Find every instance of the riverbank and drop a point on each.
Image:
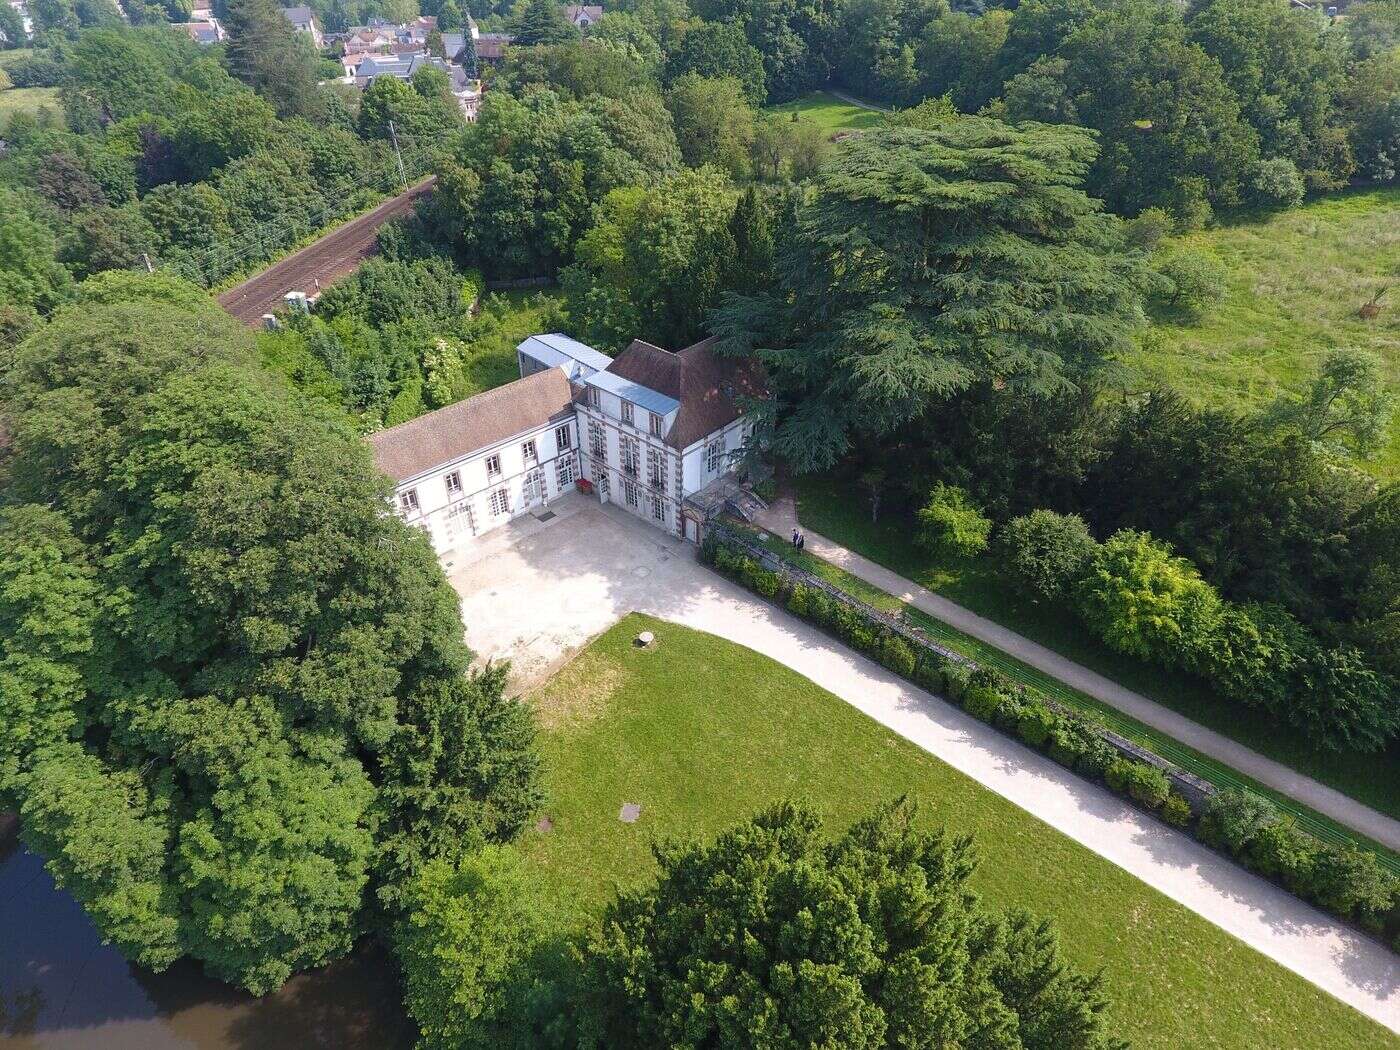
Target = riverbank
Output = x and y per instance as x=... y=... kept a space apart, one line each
x=61 y=988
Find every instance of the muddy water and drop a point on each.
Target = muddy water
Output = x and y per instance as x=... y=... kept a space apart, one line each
x=60 y=987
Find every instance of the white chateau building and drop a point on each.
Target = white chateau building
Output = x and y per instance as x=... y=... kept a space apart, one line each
x=648 y=430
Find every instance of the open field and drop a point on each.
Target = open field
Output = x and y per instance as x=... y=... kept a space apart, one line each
x=826 y=506
x=27 y=100
x=1296 y=281
x=702 y=732
x=829 y=112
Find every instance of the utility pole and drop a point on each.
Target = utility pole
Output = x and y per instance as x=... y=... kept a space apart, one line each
x=393 y=134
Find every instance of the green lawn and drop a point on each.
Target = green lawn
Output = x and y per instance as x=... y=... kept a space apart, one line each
x=702 y=732
x=830 y=112
x=493 y=362
x=1296 y=282
x=827 y=506
x=27 y=100
x=1188 y=758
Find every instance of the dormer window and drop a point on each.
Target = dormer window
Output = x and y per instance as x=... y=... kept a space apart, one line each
x=654 y=424
x=627 y=416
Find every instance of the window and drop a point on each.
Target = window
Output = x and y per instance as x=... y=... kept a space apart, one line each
x=656 y=468
x=527 y=449
x=714 y=455
x=533 y=489
x=500 y=502
x=408 y=501
x=627 y=413
x=461 y=520
x=493 y=465
x=593 y=396
x=454 y=483
x=630 y=493
x=597 y=441
x=658 y=509
x=654 y=424
x=565 y=471
x=563 y=437
x=631 y=456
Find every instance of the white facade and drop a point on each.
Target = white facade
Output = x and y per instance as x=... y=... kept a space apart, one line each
x=463 y=498
x=614 y=435
x=630 y=465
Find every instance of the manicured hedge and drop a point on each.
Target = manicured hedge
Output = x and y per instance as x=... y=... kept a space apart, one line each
x=1347 y=881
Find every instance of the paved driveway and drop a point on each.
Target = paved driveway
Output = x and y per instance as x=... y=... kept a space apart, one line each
x=535 y=592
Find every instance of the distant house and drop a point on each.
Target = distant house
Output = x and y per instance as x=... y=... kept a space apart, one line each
x=491 y=47
x=205 y=33
x=303 y=20
x=583 y=15
x=364 y=69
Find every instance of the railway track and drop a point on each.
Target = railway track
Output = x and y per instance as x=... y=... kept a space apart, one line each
x=338 y=254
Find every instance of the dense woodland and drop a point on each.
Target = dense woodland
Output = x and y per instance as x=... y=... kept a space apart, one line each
x=239 y=720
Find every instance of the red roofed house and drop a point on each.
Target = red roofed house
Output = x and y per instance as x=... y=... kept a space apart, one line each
x=650 y=430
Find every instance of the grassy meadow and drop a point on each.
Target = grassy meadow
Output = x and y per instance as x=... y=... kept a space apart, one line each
x=1297 y=280
x=829 y=112
x=703 y=732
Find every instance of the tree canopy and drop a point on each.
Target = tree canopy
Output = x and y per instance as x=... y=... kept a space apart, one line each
x=929 y=260
x=257 y=718
x=773 y=935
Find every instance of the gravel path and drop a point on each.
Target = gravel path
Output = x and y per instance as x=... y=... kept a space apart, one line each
x=536 y=592
x=781 y=518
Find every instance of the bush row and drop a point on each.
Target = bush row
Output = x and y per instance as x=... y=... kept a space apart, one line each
x=1346 y=881
x=1140 y=598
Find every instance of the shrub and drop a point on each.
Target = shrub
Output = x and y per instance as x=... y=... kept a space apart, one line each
x=1350 y=882
x=1189 y=280
x=981 y=702
x=951 y=524
x=1067 y=745
x=473 y=287
x=1036 y=722
x=1148 y=785
x=407 y=404
x=764 y=581
x=1097 y=758
x=957 y=680
x=930 y=670
x=1143 y=600
x=1048 y=552
x=1280 y=851
x=1007 y=716
x=1147 y=229
x=1233 y=818
x=1176 y=811
x=1276 y=183
x=797 y=602
x=36 y=70
x=897 y=655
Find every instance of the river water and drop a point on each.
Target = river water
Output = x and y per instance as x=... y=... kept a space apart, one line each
x=60 y=987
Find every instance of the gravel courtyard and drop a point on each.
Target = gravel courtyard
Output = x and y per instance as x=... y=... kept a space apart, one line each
x=536 y=592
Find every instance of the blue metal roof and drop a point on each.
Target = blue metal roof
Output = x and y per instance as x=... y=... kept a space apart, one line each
x=634 y=392
x=556 y=350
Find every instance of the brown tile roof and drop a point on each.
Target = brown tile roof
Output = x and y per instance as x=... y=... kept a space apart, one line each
x=704 y=383
x=409 y=449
